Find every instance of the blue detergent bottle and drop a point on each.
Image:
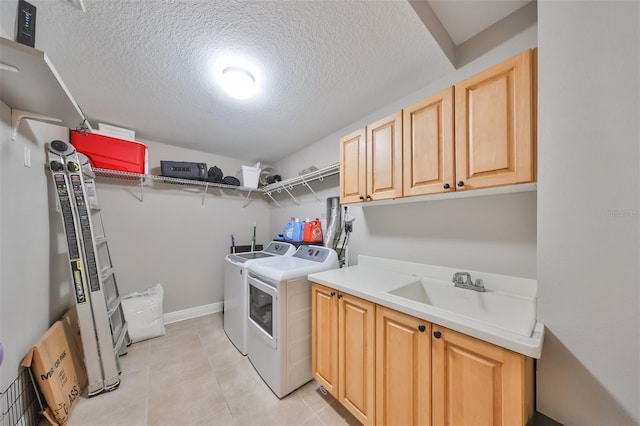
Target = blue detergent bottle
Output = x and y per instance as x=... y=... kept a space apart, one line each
x=288 y=231
x=298 y=228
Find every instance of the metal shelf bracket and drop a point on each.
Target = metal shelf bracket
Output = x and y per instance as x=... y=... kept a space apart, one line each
x=18 y=115
x=204 y=192
x=273 y=199
x=289 y=192
x=304 y=183
x=142 y=188
x=247 y=199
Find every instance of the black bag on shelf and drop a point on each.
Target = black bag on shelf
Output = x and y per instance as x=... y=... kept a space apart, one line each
x=215 y=175
x=231 y=180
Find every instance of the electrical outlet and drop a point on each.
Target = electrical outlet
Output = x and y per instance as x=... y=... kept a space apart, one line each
x=27 y=156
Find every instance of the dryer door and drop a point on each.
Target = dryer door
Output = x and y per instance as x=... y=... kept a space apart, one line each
x=263 y=310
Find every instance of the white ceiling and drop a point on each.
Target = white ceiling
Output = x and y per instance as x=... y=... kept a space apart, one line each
x=464 y=19
x=149 y=65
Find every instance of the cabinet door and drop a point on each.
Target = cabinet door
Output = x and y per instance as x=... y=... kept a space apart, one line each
x=324 y=337
x=494 y=138
x=427 y=141
x=384 y=158
x=353 y=157
x=403 y=360
x=477 y=383
x=356 y=368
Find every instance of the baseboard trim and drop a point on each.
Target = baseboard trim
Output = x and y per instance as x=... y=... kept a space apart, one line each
x=194 y=312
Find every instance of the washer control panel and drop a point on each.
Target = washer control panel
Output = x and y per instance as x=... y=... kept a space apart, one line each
x=314 y=253
x=278 y=248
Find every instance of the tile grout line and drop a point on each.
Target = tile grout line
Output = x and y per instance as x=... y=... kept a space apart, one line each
x=213 y=368
x=148 y=385
x=226 y=401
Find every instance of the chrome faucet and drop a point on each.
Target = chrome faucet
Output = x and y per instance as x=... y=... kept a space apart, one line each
x=463 y=280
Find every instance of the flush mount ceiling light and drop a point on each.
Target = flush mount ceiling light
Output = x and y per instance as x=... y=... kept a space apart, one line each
x=239 y=82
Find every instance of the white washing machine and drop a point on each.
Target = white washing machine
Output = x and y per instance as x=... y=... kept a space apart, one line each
x=279 y=329
x=235 y=289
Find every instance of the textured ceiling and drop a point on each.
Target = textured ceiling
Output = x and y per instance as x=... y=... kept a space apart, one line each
x=148 y=65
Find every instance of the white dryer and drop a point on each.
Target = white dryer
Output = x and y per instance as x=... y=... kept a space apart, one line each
x=235 y=289
x=279 y=329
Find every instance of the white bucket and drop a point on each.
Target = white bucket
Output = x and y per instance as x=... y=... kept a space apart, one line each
x=250 y=176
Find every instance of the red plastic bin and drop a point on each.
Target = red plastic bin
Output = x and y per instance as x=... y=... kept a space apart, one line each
x=109 y=153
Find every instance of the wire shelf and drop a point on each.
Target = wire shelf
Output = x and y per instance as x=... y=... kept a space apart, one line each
x=305 y=179
x=319 y=174
x=165 y=179
x=277 y=187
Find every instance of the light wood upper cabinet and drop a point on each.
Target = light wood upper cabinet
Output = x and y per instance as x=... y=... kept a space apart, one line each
x=353 y=167
x=384 y=158
x=371 y=162
x=494 y=121
x=428 y=145
x=343 y=349
x=479 y=133
x=403 y=369
x=477 y=383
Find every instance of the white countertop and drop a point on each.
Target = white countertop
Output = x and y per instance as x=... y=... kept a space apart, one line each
x=505 y=314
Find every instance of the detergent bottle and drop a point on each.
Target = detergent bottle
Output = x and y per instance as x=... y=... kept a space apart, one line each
x=316 y=231
x=297 y=230
x=312 y=231
x=306 y=231
x=288 y=231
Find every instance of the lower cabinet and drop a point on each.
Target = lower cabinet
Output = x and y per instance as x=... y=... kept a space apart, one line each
x=389 y=368
x=477 y=383
x=343 y=349
x=403 y=365
x=324 y=338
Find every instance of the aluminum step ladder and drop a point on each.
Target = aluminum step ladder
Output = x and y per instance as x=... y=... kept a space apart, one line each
x=103 y=327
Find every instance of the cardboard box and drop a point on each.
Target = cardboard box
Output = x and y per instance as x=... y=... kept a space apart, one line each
x=72 y=331
x=56 y=367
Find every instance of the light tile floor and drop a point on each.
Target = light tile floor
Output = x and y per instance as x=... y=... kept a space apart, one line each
x=193 y=375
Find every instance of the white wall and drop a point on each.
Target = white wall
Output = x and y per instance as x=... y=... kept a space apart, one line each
x=34 y=276
x=8 y=22
x=170 y=237
x=589 y=211
x=495 y=234
x=310 y=206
